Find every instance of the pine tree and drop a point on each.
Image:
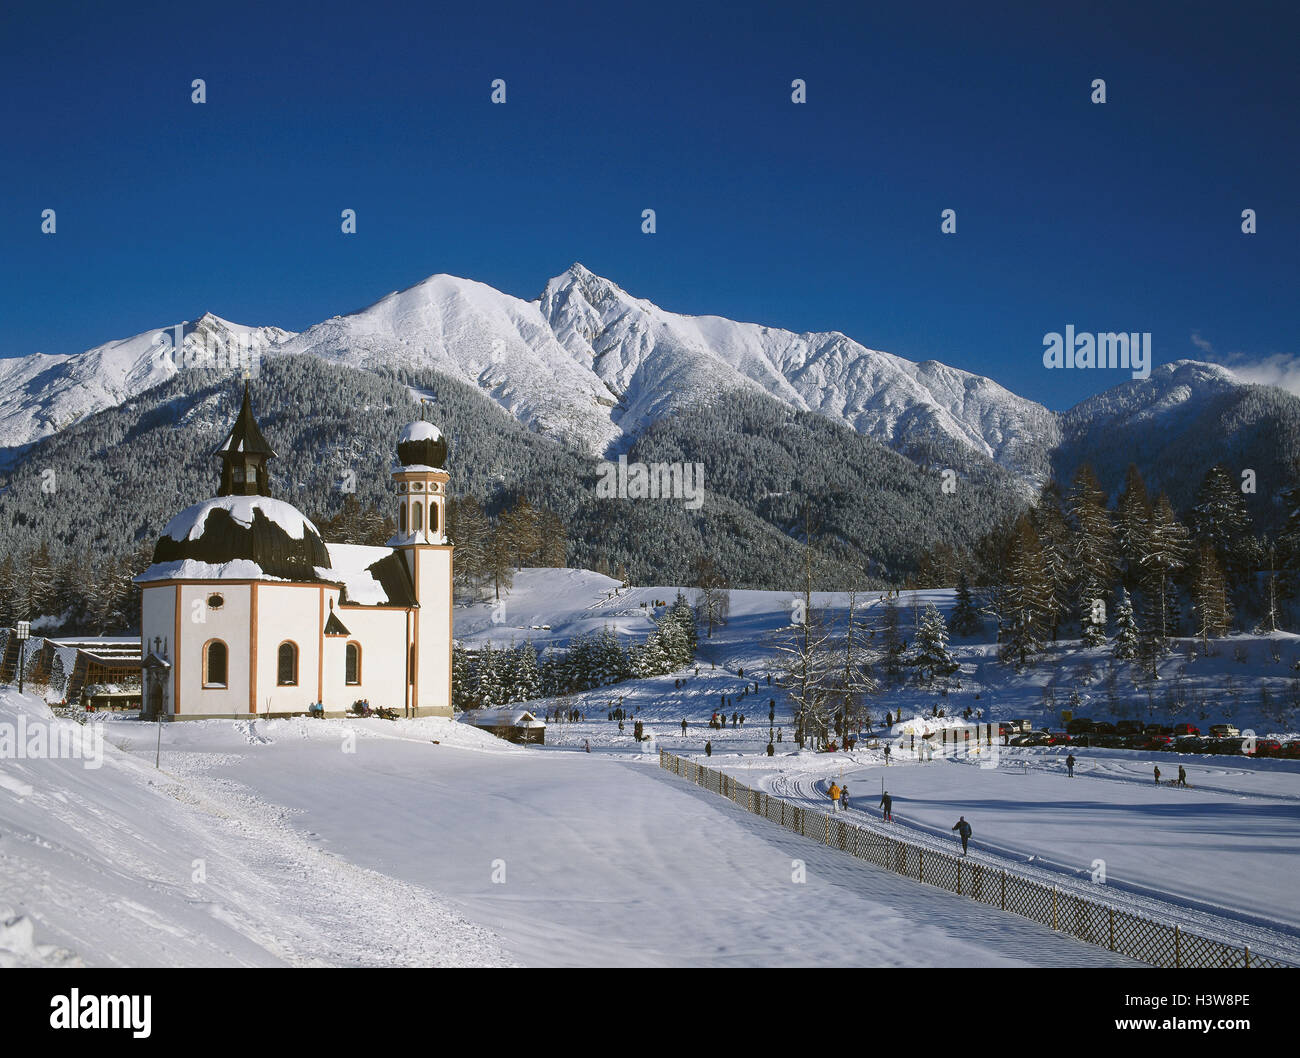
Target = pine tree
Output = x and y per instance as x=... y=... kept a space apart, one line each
x=499 y=570
x=1133 y=515
x=933 y=658
x=1093 y=550
x=523 y=537
x=1026 y=613
x=1058 y=550
x=1166 y=556
x=1210 y=596
x=893 y=645
x=1127 y=640
x=471 y=532
x=965 y=619
x=1220 y=519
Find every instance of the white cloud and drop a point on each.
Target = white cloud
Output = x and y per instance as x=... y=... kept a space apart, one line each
x=1279 y=369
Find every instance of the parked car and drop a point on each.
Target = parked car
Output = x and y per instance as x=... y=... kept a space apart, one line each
x=1133 y=741
x=1103 y=728
x=1158 y=729
x=1159 y=742
x=1186 y=729
x=1267 y=747
x=1227 y=746
x=1080 y=726
x=1223 y=731
x=1188 y=743
x=1129 y=727
x=1058 y=738
x=1291 y=750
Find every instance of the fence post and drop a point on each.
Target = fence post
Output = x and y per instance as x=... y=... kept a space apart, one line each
x=959 y=876
x=1247 y=956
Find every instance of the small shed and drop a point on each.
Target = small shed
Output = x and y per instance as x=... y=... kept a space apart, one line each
x=514 y=725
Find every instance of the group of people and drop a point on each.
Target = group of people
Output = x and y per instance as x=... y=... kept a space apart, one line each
x=719 y=720
x=1182 y=776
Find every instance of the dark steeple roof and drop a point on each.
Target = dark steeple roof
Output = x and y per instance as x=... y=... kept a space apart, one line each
x=244 y=455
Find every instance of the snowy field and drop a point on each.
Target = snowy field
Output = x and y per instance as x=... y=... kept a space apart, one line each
x=426 y=842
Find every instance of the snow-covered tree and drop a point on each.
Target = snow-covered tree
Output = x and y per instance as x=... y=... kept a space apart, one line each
x=933 y=658
x=1127 y=642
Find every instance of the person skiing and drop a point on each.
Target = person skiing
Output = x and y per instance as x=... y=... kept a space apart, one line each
x=1069 y=765
x=844 y=797
x=963 y=828
x=835 y=796
x=1182 y=776
x=887 y=803
x=1157 y=774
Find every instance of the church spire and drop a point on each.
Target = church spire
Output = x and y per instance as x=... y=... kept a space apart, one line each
x=244 y=456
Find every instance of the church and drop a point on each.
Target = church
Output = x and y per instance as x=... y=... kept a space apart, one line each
x=246 y=611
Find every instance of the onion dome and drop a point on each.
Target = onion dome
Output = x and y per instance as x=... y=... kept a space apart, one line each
x=246 y=537
x=421 y=444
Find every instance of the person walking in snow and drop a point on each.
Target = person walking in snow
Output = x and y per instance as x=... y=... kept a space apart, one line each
x=887 y=803
x=1182 y=776
x=835 y=796
x=844 y=797
x=963 y=828
x=708 y=749
x=886 y=754
x=1157 y=774
x=1069 y=765
x=683 y=727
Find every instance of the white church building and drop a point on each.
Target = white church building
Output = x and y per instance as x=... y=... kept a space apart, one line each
x=247 y=611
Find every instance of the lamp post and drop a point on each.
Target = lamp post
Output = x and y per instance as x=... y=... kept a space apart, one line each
x=24 y=630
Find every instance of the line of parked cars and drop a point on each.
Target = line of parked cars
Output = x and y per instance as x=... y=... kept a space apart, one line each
x=1134 y=734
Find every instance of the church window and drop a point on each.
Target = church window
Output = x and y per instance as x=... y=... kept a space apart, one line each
x=401 y=519
x=353 y=663
x=215 y=663
x=433 y=517
x=287 y=665
x=417 y=519
x=215 y=601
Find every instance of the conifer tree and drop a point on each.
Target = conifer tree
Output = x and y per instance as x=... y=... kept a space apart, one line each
x=933 y=658
x=965 y=619
x=1127 y=640
x=1210 y=596
x=1093 y=550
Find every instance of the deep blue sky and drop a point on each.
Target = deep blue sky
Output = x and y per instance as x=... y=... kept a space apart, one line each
x=815 y=217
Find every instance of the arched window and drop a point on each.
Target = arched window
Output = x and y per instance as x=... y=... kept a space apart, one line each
x=401 y=519
x=352 y=666
x=215 y=658
x=417 y=518
x=433 y=517
x=286 y=671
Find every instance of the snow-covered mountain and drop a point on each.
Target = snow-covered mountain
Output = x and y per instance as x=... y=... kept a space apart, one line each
x=478 y=335
x=40 y=394
x=592 y=366
x=656 y=360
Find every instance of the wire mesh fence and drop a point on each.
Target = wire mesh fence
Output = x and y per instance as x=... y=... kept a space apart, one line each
x=1088 y=920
